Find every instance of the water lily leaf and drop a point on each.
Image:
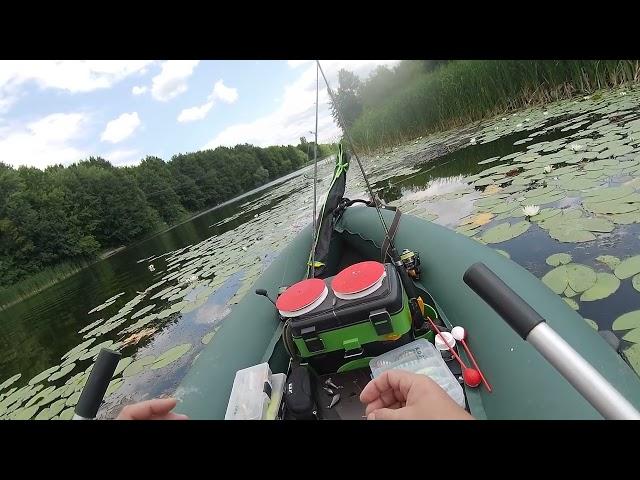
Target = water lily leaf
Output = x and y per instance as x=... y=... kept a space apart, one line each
x=67 y=414
x=571 y=302
x=606 y=284
x=633 y=336
x=10 y=381
x=114 y=385
x=627 y=321
x=25 y=413
x=207 y=338
x=57 y=406
x=122 y=364
x=101 y=307
x=45 y=414
x=578 y=277
x=606 y=194
x=628 y=267
x=138 y=366
x=73 y=399
x=477 y=220
x=43 y=375
x=171 y=355
x=632 y=354
x=614 y=206
x=142 y=311
x=62 y=372
x=609 y=260
x=79 y=348
x=504 y=231
x=591 y=323
x=558 y=259
x=489 y=160
x=569 y=292
x=91 y=325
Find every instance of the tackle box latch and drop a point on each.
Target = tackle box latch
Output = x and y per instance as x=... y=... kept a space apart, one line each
x=381 y=321
x=313 y=342
x=352 y=348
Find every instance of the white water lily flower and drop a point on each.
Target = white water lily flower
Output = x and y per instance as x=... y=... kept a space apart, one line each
x=548 y=169
x=504 y=118
x=576 y=147
x=545 y=113
x=586 y=97
x=531 y=210
x=519 y=125
x=623 y=93
x=472 y=141
x=151 y=268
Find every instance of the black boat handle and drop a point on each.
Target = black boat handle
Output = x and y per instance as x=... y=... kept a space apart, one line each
x=527 y=323
x=507 y=303
x=97 y=384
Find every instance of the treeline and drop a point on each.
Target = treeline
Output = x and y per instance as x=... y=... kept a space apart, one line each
x=418 y=97
x=65 y=214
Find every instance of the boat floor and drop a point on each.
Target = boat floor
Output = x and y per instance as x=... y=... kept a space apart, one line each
x=350 y=384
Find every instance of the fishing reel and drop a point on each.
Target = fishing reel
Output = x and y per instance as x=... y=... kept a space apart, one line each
x=411 y=262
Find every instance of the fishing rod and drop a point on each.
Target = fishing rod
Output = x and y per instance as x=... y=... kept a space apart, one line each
x=315 y=183
x=418 y=319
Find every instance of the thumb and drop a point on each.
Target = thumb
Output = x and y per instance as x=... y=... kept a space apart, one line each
x=385 y=414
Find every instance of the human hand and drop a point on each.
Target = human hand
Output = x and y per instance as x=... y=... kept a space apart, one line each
x=156 y=409
x=401 y=395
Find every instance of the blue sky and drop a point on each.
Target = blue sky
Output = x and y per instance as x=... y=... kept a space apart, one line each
x=63 y=111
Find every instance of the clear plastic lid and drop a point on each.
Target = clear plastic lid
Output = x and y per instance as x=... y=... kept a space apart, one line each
x=249 y=398
x=421 y=357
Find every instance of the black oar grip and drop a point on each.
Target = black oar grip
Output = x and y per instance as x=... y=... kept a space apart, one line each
x=507 y=303
x=97 y=383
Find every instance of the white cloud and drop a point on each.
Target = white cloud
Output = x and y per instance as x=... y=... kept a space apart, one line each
x=297 y=63
x=120 y=128
x=123 y=157
x=44 y=141
x=295 y=116
x=172 y=80
x=138 y=90
x=224 y=93
x=195 y=113
x=70 y=75
x=220 y=92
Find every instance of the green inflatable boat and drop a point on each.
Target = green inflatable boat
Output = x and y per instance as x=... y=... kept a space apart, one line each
x=541 y=359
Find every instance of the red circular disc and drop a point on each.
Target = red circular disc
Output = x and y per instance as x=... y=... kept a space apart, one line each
x=300 y=295
x=357 y=277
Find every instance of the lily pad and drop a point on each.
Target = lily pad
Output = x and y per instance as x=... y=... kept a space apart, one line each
x=570 y=292
x=591 y=323
x=67 y=414
x=43 y=375
x=558 y=259
x=606 y=284
x=627 y=321
x=632 y=354
x=91 y=325
x=579 y=229
x=138 y=366
x=9 y=381
x=143 y=311
x=609 y=260
x=628 y=267
x=171 y=355
x=571 y=302
x=633 y=336
x=207 y=338
x=44 y=414
x=504 y=231
x=25 y=413
x=578 y=277
x=62 y=372
x=122 y=364
x=114 y=385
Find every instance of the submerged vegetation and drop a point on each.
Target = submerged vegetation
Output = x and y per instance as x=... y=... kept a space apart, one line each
x=67 y=215
x=414 y=98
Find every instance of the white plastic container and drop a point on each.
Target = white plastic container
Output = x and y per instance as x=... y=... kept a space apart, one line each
x=250 y=395
x=421 y=357
x=277 y=382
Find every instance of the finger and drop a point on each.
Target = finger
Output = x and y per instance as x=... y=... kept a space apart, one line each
x=391 y=380
x=174 y=416
x=375 y=388
x=385 y=414
x=148 y=409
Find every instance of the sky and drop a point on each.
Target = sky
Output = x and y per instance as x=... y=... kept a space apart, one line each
x=60 y=112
